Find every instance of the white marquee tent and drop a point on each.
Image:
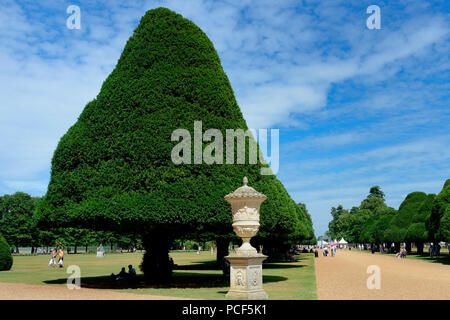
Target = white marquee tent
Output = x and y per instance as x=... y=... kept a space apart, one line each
x=322 y=243
x=343 y=243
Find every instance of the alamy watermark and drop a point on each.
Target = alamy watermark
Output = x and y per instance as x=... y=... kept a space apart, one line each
x=213 y=152
x=74 y=280
x=74 y=20
x=374 y=280
x=374 y=20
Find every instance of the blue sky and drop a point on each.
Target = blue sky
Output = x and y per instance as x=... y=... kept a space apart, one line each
x=355 y=107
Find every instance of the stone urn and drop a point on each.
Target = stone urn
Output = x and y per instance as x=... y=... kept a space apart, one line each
x=245 y=203
x=246 y=263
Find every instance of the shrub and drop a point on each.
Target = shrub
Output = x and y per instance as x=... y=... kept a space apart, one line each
x=6 y=260
x=440 y=205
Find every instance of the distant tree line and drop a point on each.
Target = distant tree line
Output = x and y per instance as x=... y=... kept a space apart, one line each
x=19 y=227
x=420 y=218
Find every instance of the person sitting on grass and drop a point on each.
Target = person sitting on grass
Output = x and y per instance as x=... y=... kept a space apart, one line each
x=225 y=267
x=121 y=276
x=401 y=254
x=132 y=273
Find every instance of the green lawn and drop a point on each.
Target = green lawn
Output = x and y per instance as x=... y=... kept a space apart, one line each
x=194 y=277
x=443 y=258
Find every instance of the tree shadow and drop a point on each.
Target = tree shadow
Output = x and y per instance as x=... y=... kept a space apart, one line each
x=199 y=265
x=271 y=264
x=179 y=280
x=443 y=258
x=284 y=265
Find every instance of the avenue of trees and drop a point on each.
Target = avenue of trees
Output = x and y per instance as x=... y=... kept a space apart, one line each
x=112 y=171
x=420 y=218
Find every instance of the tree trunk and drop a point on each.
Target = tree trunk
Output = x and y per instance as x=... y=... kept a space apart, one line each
x=419 y=246
x=111 y=246
x=155 y=264
x=17 y=249
x=75 y=249
x=86 y=248
x=222 y=251
x=256 y=243
x=397 y=247
x=32 y=250
x=408 y=247
x=388 y=245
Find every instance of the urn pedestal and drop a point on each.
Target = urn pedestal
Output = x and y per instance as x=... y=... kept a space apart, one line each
x=246 y=277
x=246 y=263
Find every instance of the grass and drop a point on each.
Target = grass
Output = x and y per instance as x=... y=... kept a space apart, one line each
x=195 y=276
x=443 y=258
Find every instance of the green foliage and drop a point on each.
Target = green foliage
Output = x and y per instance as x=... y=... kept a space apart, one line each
x=408 y=210
x=304 y=232
x=395 y=234
x=376 y=192
x=440 y=205
x=365 y=223
x=446 y=184
x=16 y=219
x=113 y=171
x=382 y=223
x=337 y=225
x=424 y=212
x=6 y=260
x=417 y=232
x=444 y=226
x=372 y=204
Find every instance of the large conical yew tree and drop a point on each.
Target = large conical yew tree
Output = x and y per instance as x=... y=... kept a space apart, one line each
x=438 y=212
x=409 y=208
x=113 y=169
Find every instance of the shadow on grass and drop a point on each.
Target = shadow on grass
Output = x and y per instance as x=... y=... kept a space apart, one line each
x=267 y=264
x=207 y=265
x=179 y=280
x=443 y=259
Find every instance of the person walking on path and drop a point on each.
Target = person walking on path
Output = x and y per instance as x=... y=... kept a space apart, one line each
x=61 y=258
x=52 y=261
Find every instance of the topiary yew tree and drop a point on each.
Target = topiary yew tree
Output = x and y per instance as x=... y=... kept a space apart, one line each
x=409 y=208
x=113 y=170
x=6 y=260
x=438 y=212
x=417 y=231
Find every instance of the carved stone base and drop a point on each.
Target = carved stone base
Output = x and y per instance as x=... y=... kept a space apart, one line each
x=246 y=277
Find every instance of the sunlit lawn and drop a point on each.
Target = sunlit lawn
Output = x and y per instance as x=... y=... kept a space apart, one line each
x=194 y=276
x=443 y=258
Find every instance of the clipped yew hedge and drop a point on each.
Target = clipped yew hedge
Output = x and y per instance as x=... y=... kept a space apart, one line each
x=6 y=260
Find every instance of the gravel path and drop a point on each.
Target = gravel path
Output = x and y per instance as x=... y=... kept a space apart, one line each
x=23 y=291
x=345 y=277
